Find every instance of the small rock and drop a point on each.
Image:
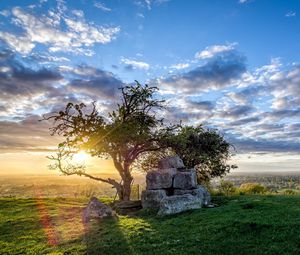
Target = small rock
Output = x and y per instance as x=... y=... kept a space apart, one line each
x=211 y=206
x=151 y=198
x=185 y=180
x=177 y=204
x=97 y=210
x=171 y=162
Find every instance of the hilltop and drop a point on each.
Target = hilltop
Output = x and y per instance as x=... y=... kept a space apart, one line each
x=240 y=225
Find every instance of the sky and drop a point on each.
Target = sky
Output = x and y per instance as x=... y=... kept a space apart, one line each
x=231 y=65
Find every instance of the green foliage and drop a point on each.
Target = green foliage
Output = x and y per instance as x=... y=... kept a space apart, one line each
x=133 y=123
x=204 y=149
x=226 y=187
x=252 y=188
x=240 y=225
x=289 y=192
x=124 y=135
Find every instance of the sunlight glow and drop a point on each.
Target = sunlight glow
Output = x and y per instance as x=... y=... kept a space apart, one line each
x=80 y=157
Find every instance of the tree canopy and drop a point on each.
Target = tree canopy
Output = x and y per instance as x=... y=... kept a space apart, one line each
x=203 y=149
x=132 y=135
x=123 y=135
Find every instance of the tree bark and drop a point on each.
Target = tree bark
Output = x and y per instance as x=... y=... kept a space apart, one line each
x=126 y=189
x=127 y=180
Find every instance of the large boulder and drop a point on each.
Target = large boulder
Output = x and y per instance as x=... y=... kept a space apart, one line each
x=171 y=162
x=176 y=204
x=199 y=192
x=185 y=180
x=161 y=179
x=151 y=198
x=97 y=210
x=206 y=195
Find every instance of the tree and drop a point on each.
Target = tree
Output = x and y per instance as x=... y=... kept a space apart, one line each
x=203 y=149
x=226 y=187
x=124 y=135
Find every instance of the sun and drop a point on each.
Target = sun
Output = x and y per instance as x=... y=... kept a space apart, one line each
x=80 y=157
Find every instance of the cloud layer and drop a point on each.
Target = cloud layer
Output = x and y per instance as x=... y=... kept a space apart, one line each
x=57 y=31
x=218 y=72
x=257 y=108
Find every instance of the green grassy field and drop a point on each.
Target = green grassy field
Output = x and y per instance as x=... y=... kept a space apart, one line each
x=240 y=225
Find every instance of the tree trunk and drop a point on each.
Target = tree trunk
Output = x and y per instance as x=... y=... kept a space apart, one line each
x=126 y=189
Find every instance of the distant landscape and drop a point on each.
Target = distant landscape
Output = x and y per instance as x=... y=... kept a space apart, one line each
x=29 y=186
x=275 y=182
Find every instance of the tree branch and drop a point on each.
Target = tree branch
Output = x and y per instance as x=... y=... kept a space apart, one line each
x=76 y=169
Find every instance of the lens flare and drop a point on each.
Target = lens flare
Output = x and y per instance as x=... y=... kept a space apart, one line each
x=80 y=157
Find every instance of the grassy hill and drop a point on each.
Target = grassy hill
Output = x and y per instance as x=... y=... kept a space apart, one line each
x=240 y=225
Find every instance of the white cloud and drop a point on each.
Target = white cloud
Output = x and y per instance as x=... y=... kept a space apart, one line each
x=290 y=14
x=211 y=51
x=279 y=103
x=102 y=7
x=58 y=59
x=133 y=64
x=20 y=43
x=180 y=66
x=5 y=69
x=48 y=58
x=140 y=15
x=78 y=13
x=237 y=98
x=149 y=3
x=88 y=34
x=4 y=13
x=76 y=37
x=243 y=1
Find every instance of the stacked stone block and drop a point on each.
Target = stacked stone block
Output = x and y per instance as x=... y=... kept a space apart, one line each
x=172 y=188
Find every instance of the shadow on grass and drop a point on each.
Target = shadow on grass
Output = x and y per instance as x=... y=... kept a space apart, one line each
x=106 y=237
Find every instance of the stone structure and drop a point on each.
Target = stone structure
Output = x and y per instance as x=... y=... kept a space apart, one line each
x=172 y=188
x=97 y=210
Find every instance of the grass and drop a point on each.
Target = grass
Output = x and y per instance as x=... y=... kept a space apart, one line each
x=240 y=225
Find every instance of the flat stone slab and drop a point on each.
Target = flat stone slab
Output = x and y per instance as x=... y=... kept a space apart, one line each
x=171 y=162
x=151 y=198
x=129 y=204
x=161 y=179
x=128 y=207
x=185 y=180
x=176 y=204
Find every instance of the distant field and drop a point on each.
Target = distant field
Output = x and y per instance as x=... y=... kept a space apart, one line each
x=240 y=225
x=29 y=186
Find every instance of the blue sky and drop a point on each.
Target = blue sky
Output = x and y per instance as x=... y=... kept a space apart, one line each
x=163 y=33
x=233 y=65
